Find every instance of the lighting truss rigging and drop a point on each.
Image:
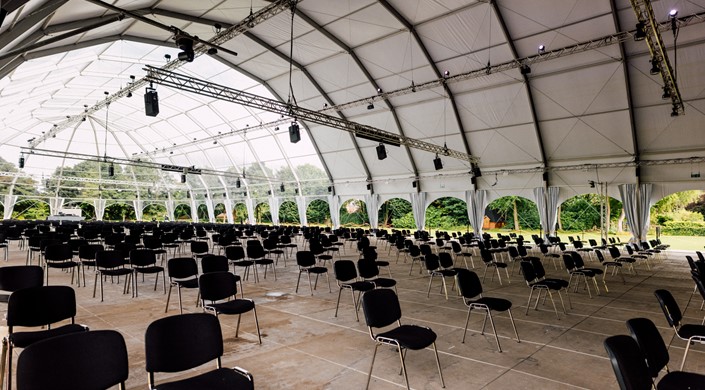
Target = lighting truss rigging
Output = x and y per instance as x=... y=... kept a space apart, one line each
x=204 y=88
x=271 y=10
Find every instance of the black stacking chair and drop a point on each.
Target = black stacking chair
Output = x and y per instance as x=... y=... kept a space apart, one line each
x=17 y=277
x=86 y=257
x=630 y=367
x=544 y=287
x=257 y=254
x=236 y=257
x=574 y=271
x=367 y=269
x=199 y=249
x=346 y=276
x=60 y=256
x=219 y=296
x=692 y=333
x=111 y=263
x=381 y=308
x=434 y=268
x=144 y=261
x=182 y=342
x=37 y=307
x=415 y=255
x=470 y=289
x=78 y=361
x=183 y=273
x=489 y=261
x=306 y=261
x=219 y=263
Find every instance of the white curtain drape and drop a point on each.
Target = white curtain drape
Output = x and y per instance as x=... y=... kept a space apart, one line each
x=301 y=206
x=250 y=204
x=334 y=207
x=170 y=209
x=9 y=205
x=547 y=204
x=418 y=206
x=274 y=209
x=372 y=201
x=228 y=210
x=194 y=210
x=477 y=203
x=637 y=208
x=99 y=205
x=55 y=204
x=211 y=210
x=138 y=204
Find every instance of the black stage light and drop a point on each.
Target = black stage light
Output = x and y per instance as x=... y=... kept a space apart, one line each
x=437 y=163
x=640 y=33
x=281 y=187
x=655 y=66
x=185 y=44
x=111 y=170
x=21 y=164
x=381 y=152
x=238 y=183
x=183 y=178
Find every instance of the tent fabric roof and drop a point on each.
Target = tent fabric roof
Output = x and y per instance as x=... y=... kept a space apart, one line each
x=598 y=106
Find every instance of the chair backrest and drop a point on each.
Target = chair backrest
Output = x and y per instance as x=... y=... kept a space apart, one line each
x=469 y=284
x=199 y=247
x=445 y=259
x=80 y=361
x=344 y=270
x=432 y=262
x=669 y=306
x=527 y=270
x=369 y=253
x=513 y=252
x=538 y=267
x=235 y=252
x=628 y=363
x=17 y=277
x=367 y=269
x=255 y=251
x=38 y=306
x=58 y=252
x=87 y=252
x=614 y=252
x=650 y=342
x=577 y=259
x=522 y=251
x=215 y=286
x=425 y=249
x=142 y=257
x=305 y=259
x=181 y=342
x=381 y=307
x=486 y=256
x=109 y=259
x=214 y=263
x=600 y=256
x=699 y=283
x=701 y=257
x=182 y=267
x=568 y=262
x=577 y=244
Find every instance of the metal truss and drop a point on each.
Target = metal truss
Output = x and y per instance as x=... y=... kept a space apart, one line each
x=271 y=10
x=645 y=15
x=204 y=88
x=89 y=180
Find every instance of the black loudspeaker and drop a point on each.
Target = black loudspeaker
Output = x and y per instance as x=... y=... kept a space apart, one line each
x=437 y=163
x=369 y=186
x=476 y=171
x=545 y=176
x=294 y=134
x=637 y=171
x=381 y=152
x=151 y=103
x=473 y=180
x=414 y=183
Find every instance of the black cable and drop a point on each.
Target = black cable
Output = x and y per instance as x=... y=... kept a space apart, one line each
x=291 y=99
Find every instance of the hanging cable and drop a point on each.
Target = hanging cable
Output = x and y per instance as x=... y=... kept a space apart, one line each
x=489 y=40
x=291 y=99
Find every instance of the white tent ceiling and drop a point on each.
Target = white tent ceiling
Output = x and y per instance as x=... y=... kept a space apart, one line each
x=599 y=106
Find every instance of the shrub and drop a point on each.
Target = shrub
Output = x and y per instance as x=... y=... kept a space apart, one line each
x=684 y=228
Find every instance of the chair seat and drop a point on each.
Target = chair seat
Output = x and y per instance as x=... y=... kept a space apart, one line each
x=25 y=339
x=360 y=286
x=496 y=264
x=382 y=263
x=612 y=264
x=588 y=273
x=446 y=272
x=410 y=336
x=317 y=270
x=187 y=283
x=62 y=264
x=496 y=304
x=116 y=271
x=235 y=306
x=544 y=284
x=626 y=259
x=595 y=271
x=384 y=282
x=222 y=378
x=149 y=270
x=558 y=282
x=243 y=263
x=689 y=330
x=678 y=380
x=264 y=261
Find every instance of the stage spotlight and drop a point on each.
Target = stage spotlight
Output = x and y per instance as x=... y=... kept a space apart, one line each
x=281 y=188
x=674 y=111
x=640 y=33
x=212 y=51
x=330 y=188
x=542 y=49
x=655 y=66
x=238 y=183
x=183 y=178
x=269 y=192
x=673 y=13
x=666 y=93
x=185 y=44
x=437 y=163
x=111 y=170
x=371 y=106
x=446 y=74
x=525 y=69
x=379 y=90
x=381 y=152
x=592 y=183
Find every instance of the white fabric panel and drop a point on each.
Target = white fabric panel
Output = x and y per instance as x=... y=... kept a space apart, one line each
x=55 y=204
x=302 y=206
x=138 y=205
x=372 y=202
x=418 y=207
x=274 y=209
x=476 y=203
x=637 y=208
x=540 y=199
x=552 y=195
x=334 y=206
x=194 y=210
x=9 y=205
x=228 y=210
x=250 y=205
x=99 y=205
x=211 y=210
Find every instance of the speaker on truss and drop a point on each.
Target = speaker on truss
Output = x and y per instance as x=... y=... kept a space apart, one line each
x=545 y=176
x=381 y=152
x=473 y=180
x=294 y=134
x=151 y=102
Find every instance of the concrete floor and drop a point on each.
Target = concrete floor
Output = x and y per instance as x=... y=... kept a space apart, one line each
x=305 y=347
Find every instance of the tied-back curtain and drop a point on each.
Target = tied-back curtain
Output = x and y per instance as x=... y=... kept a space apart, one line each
x=637 y=208
x=211 y=210
x=274 y=210
x=552 y=209
x=170 y=209
x=301 y=206
x=418 y=206
x=228 y=210
x=477 y=203
x=55 y=205
x=99 y=205
x=194 y=210
x=9 y=204
x=540 y=199
x=138 y=205
x=334 y=206
x=372 y=201
x=250 y=204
